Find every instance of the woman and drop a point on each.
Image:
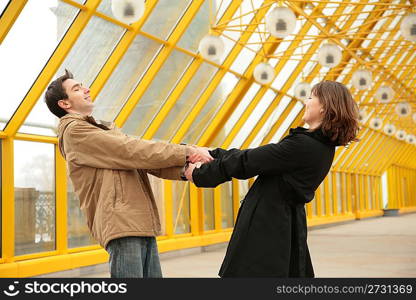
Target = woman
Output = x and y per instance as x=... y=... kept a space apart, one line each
x=270 y=234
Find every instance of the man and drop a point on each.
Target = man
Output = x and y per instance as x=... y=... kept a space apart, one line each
x=109 y=172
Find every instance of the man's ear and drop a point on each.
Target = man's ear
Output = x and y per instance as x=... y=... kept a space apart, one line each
x=64 y=104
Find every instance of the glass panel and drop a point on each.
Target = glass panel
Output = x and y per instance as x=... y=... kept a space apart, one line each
x=85 y=60
x=14 y=50
x=34 y=197
x=78 y=232
x=287 y=123
x=187 y=100
x=3 y=5
x=274 y=117
x=209 y=216
x=227 y=213
x=243 y=60
x=181 y=207
x=210 y=109
x=237 y=113
x=254 y=118
x=164 y=17
x=125 y=78
x=156 y=94
x=196 y=30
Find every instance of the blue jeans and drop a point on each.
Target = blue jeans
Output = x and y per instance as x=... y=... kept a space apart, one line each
x=134 y=257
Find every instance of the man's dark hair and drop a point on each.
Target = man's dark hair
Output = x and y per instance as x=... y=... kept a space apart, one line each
x=56 y=92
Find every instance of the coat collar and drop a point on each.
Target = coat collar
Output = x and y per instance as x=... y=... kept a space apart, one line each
x=317 y=134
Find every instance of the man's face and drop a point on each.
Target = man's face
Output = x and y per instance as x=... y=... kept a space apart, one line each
x=79 y=100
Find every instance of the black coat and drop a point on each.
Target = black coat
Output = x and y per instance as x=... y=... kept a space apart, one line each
x=269 y=237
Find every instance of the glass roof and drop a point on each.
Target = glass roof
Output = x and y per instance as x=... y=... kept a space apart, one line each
x=153 y=82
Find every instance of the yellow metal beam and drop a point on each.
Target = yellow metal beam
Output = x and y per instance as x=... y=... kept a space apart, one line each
x=51 y=67
x=243 y=84
x=189 y=73
x=157 y=63
x=7 y=203
x=120 y=50
x=61 y=203
x=248 y=111
x=9 y=16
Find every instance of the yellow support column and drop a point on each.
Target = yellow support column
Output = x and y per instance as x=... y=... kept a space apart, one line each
x=168 y=198
x=217 y=209
x=61 y=203
x=7 y=209
x=236 y=198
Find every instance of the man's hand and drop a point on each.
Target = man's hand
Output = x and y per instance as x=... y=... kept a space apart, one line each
x=190 y=169
x=199 y=154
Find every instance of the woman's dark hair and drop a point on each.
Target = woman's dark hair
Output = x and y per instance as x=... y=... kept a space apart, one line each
x=340 y=121
x=56 y=92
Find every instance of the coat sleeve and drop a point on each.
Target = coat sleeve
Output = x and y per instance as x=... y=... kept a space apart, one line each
x=243 y=164
x=173 y=173
x=91 y=146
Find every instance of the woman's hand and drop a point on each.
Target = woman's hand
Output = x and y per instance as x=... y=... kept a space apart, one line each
x=190 y=169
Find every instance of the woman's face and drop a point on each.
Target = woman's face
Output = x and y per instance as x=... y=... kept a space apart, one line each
x=313 y=111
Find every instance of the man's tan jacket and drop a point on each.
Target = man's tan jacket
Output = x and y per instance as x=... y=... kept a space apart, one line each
x=109 y=169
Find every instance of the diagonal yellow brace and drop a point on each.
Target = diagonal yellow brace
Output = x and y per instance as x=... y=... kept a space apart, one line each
x=10 y=14
x=180 y=88
x=120 y=50
x=215 y=124
x=158 y=62
x=50 y=69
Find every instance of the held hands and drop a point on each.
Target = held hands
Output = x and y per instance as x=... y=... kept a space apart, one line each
x=190 y=169
x=199 y=154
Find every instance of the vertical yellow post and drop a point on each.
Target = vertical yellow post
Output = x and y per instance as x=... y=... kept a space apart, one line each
x=236 y=198
x=349 y=200
x=217 y=208
x=7 y=202
x=327 y=198
x=168 y=197
x=197 y=210
x=61 y=203
x=343 y=193
x=334 y=194
x=362 y=194
x=318 y=199
x=391 y=179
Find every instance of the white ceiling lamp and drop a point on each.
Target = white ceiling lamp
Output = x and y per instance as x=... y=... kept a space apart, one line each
x=303 y=90
x=400 y=135
x=362 y=79
x=264 y=73
x=403 y=109
x=384 y=94
x=376 y=123
x=329 y=55
x=362 y=116
x=410 y=138
x=408 y=27
x=389 y=129
x=128 y=11
x=211 y=47
x=281 y=22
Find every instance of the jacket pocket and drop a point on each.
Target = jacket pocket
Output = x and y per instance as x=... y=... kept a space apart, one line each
x=117 y=188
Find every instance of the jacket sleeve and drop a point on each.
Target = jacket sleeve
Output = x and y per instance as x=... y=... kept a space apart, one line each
x=243 y=164
x=91 y=146
x=173 y=173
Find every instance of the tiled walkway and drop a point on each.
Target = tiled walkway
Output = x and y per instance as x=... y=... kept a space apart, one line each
x=376 y=247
